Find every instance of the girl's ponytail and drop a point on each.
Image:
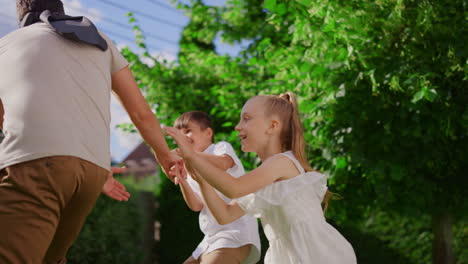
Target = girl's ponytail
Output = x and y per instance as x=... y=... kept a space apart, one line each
x=292 y=136
x=295 y=140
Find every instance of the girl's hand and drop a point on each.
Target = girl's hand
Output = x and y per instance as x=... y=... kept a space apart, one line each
x=185 y=148
x=177 y=152
x=179 y=173
x=113 y=188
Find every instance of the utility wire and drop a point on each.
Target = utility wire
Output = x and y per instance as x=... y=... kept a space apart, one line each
x=162 y=21
x=129 y=27
x=6 y=25
x=123 y=37
x=107 y=19
x=155 y=2
x=9 y=16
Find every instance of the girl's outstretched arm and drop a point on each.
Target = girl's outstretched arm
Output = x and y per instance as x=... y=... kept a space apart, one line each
x=224 y=213
x=274 y=168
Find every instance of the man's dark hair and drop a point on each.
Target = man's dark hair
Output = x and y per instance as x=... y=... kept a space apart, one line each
x=25 y=6
x=201 y=118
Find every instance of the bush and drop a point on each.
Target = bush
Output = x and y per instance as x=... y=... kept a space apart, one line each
x=114 y=232
x=392 y=238
x=180 y=233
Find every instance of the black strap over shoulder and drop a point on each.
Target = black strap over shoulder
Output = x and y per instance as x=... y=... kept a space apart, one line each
x=78 y=28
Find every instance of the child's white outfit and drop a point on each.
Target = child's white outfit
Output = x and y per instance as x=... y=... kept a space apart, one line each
x=241 y=232
x=293 y=221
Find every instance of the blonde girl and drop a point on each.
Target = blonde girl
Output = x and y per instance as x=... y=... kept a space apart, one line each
x=284 y=192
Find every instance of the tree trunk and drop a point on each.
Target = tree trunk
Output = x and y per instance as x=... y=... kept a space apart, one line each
x=442 y=252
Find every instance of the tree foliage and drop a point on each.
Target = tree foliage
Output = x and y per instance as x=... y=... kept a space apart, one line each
x=381 y=87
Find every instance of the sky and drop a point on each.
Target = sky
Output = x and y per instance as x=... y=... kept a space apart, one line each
x=161 y=23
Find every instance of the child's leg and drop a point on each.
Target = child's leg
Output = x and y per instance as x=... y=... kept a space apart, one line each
x=191 y=260
x=226 y=255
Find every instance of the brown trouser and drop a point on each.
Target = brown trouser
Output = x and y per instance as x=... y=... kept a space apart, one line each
x=43 y=205
x=222 y=256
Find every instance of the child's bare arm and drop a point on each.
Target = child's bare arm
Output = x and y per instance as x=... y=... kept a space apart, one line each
x=271 y=170
x=191 y=198
x=224 y=213
x=223 y=162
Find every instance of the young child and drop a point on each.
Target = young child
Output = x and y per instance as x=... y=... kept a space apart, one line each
x=284 y=191
x=237 y=242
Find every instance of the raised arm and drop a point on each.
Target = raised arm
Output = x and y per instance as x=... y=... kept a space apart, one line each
x=232 y=187
x=224 y=213
x=223 y=162
x=128 y=93
x=270 y=171
x=191 y=198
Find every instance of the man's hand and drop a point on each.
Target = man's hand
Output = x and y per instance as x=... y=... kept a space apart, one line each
x=168 y=162
x=173 y=160
x=113 y=188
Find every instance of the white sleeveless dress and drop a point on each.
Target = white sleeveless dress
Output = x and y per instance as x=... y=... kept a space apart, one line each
x=293 y=221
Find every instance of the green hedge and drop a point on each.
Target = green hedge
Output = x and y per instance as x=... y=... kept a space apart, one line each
x=180 y=233
x=113 y=233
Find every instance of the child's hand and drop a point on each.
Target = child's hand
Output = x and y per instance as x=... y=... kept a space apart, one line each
x=113 y=188
x=179 y=173
x=177 y=152
x=185 y=149
x=179 y=180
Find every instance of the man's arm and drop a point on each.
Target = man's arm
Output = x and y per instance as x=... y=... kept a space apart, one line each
x=127 y=91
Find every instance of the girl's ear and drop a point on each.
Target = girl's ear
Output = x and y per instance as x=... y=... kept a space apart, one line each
x=274 y=126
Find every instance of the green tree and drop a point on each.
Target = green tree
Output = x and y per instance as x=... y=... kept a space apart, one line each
x=381 y=85
x=399 y=110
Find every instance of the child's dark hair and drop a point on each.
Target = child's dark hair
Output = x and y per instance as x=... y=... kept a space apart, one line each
x=25 y=6
x=201 y=118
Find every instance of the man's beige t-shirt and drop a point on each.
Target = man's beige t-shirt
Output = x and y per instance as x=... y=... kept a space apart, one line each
x=56 y=96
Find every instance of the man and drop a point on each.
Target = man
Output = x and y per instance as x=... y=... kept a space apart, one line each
x=1 y=121
x=57 y=73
